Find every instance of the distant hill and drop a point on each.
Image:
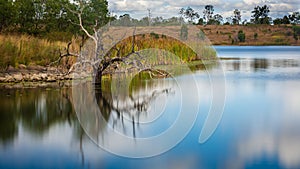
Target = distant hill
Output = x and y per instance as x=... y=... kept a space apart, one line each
x=265 y=34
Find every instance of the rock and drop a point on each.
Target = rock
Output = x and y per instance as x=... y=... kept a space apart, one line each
x=51 y=69
x=51 y=79
x=26 y=77
x=35 y=77
x=60 y=77
x=21 y=66
x=2 y=79
x=9 y=79
x=18 y=77
x=10 y=69
x=43 y=76
x=37 y=68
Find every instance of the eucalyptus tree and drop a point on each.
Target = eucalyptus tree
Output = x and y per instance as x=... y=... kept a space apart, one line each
x=189 y=13
x=218 y=18
x=236 y=19
x=6 y=14
x=261 y=15
x=295 y=18
x=208 y=12
x=56 y=15
x=25 y=16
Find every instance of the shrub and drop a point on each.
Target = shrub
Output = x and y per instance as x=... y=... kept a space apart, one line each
x=296 y=32
x=289 y=33
x=241 y=36
x=184 y=32
x=154 y=35
x=255 y=35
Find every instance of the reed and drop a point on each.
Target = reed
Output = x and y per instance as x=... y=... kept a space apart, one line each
x=170 y=45
x=27 y=50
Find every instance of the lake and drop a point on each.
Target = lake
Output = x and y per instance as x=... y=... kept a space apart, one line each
x=259 y=128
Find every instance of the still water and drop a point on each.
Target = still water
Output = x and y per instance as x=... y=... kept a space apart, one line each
x=260 y=127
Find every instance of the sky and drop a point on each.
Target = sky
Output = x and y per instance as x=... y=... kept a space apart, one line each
x=169 y=8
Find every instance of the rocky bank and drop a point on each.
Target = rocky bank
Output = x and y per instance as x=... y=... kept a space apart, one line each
x=34 y=74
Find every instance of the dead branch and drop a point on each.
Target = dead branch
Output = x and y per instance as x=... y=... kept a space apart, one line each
x=67 y=54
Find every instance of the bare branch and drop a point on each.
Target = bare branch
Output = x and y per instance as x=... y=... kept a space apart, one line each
x=67 y=54
x=83 y=28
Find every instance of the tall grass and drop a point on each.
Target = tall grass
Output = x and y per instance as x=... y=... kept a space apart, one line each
x=174 y=46
x=27 y=50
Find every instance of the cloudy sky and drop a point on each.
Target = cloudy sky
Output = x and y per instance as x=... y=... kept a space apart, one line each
x=169 y=8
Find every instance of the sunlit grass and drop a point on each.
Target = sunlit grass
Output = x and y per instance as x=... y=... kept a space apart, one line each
x=27 y=50
x=155 y=41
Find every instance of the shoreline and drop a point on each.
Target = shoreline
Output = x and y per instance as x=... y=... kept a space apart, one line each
x=35 y=75
x=30 y=76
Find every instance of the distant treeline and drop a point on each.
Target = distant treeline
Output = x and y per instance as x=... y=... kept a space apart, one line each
x=58 y=19
x=51 y=19
x=260 y=15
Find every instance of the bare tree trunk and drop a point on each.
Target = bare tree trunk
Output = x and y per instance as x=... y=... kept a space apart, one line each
x=98 y=79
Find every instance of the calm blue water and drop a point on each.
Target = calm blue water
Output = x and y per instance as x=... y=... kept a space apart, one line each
x=260 y=127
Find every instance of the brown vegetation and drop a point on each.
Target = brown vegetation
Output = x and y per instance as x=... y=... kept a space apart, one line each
x=266 y=35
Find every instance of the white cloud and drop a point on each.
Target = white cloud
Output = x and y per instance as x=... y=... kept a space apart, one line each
x=169 y=8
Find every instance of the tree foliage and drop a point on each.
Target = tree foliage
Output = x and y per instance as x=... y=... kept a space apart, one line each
x=41 y=17
x=208 y=12
x=261 y=15
x=241 y=36
x=6 y=13
x=189 y=13
x=236 y=19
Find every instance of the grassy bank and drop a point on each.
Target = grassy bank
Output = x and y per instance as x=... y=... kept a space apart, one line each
x=255 y=35
x=27 y=50
x=170 y=45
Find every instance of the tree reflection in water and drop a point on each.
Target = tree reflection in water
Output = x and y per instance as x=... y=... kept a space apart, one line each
x=35 y=109
x=129 y=100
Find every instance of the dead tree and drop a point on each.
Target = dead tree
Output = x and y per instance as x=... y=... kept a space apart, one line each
x=101 y=61
x=115 y=110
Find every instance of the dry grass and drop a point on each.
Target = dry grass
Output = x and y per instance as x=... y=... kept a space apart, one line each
x=267 y=34
x=27 y=50
x=162 y=42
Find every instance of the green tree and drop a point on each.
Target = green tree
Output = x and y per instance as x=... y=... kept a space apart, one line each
x=286 y=20
x=189 y=13
x=55 y=15
x=93 y=13
x=6 y=14
x=125 y=20
x=261 y=15
x=241 y=36
x=296 y=30
x=201 y=21
x=277 y=21
x=295 y=18
x=236 y=19
x=208 y=12
x=218 y=18
x=255 y=36
x=25 y=15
